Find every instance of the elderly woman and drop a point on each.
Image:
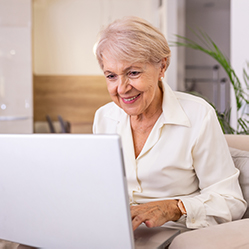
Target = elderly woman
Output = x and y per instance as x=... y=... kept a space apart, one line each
x=178 y=166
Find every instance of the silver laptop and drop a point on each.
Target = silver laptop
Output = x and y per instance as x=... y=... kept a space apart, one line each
x=68 y=191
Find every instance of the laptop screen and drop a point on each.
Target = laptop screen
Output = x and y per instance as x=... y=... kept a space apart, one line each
x=64 y=191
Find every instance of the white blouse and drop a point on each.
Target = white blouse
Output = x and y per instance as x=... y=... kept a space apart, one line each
x=185 y=157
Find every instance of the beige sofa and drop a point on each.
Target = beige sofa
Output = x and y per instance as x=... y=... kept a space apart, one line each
x=229 y=235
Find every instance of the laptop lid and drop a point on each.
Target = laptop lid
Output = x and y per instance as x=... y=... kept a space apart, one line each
x=64 y=191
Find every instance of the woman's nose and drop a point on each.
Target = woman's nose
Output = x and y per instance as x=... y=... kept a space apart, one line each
x=123 y=85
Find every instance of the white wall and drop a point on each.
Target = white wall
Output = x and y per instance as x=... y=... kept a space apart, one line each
x=175 y=25
x=65 y=31
x=239 y=44
x=16 y=93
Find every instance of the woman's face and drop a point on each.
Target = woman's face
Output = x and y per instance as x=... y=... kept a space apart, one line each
x=133 y=87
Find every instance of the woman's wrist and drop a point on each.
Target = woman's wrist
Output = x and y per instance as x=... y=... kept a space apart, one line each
x=177 y=211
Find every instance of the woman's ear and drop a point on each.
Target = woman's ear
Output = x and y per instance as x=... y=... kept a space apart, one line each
x=163 y=67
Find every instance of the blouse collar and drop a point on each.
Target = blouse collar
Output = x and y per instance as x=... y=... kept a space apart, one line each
x=173 y=112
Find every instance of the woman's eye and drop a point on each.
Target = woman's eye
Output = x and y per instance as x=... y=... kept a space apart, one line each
x=111 y=76
x=134 y=73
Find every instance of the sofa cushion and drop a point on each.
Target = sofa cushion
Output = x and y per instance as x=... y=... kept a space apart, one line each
x=228 y=235
x=241 y=161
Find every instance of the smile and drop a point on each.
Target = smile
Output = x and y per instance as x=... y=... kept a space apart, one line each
x=131 y=100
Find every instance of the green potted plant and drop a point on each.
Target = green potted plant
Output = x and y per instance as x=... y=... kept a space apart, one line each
x=208 y=46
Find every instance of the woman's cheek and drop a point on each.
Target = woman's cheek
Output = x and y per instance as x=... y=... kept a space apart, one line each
x=112 y=89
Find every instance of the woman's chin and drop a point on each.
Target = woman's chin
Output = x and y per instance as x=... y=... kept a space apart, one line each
x=129 y=109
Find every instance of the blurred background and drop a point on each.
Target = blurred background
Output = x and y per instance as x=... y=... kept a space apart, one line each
x=50 y=80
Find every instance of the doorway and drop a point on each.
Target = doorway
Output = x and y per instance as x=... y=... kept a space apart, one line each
x=203 y=74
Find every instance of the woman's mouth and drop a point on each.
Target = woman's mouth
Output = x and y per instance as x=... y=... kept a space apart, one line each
x=131 y=100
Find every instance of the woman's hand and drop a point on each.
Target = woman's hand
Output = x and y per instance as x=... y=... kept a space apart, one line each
x=155 y=214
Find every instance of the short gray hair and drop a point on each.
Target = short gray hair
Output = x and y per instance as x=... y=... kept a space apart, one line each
x=133 y=40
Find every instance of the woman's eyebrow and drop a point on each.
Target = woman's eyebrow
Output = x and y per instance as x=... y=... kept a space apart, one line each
x=125 y=70
x=107 y=71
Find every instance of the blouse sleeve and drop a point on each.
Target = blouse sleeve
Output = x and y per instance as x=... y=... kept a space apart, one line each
x=220 y=199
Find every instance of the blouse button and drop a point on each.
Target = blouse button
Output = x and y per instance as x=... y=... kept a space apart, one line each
x=193 y=220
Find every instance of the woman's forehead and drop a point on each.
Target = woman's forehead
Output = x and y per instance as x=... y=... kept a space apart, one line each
x=110 y=63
